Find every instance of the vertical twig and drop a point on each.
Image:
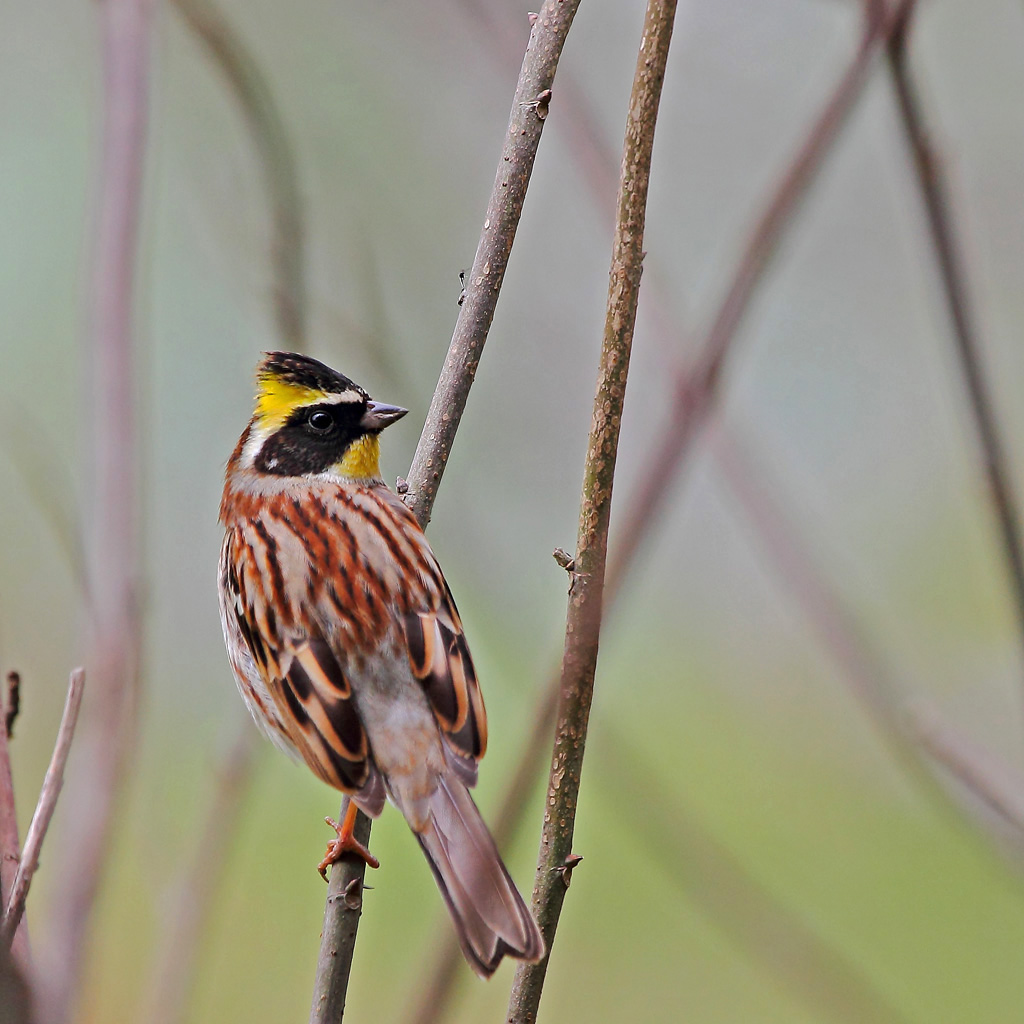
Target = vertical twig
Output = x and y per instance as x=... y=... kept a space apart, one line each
x=865 y=673
x=109 y=722
x=583 y=620
x=338 y=939
x=53 y=782
x=526 y=122
x=976 y=770
x=934 y=188
x=276 y=157
x=173 y=979
x=10 y=841
x=771 y=935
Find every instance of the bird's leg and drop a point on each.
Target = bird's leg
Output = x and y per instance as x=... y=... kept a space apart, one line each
x=346 y=842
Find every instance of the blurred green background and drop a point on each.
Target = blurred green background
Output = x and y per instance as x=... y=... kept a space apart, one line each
x=842 y=391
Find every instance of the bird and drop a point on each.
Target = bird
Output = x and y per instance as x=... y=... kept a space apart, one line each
x=346 y=644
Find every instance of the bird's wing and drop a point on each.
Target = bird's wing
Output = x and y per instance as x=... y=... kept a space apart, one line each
x=438 y=652
x=441 y=661
x=308 y=685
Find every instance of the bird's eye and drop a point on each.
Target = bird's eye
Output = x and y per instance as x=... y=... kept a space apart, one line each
x=320 y=422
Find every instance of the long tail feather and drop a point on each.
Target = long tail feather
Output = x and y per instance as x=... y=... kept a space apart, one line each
x=490 y=917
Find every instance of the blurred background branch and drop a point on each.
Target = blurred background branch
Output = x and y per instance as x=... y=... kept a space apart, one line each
x=715 y=883
x=192 y=898
x=949 y=257
x=269 y=135
x=110 y=716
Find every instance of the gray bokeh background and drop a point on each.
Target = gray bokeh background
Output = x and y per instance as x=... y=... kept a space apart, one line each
x=842 y=390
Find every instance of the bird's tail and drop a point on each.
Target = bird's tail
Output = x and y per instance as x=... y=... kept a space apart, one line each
x=490 y=917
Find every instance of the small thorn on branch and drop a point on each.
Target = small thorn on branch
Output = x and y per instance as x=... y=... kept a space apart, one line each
x=540 y=104
x=568 y=563
x=566 y=869
x=12 y=702
x=564 y=559
x=353 y=895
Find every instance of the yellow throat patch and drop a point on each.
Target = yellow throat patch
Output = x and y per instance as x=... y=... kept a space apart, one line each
x=362 y=459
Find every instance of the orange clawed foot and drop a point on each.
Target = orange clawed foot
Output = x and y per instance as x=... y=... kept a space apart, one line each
x=345 y=843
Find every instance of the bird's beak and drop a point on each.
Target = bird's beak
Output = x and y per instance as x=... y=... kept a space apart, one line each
x=378 y=415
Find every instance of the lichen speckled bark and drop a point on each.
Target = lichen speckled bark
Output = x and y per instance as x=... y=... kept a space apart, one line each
x=529 y=111
x=583 y=620
x=526 y=122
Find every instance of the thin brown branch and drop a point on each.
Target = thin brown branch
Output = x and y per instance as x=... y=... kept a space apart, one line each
x=864 y=669
x=338 y=938
x=10 y=841
x=975 y=769
x=276 y=158
x=53 y=782
x=697 y=392
x=174 y=974
x=931 y=180
x=768 y=932
x=583 y=620
x=109 y=720
x=526 y=122
x=680 y=433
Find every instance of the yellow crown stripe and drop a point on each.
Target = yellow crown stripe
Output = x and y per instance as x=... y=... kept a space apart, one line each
x=277 y=399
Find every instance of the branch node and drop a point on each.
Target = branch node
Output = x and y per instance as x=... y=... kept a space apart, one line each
x=567 y=868
x=564 y=559
x=12 y=702
x=353 y=895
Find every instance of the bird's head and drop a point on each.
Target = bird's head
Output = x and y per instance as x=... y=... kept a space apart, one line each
x=310 y=419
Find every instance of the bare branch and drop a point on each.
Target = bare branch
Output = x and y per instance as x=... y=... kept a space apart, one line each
x=109 y=722
x=338 y=939
x=173 y=977
x=903 y=734
x=10 y=841
x=697 y=391
x=53 y=782
x=583 y=621
x=276 y=157
x=977 y=770
x=934 y=189
x=762 y=926
x=526 y=122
